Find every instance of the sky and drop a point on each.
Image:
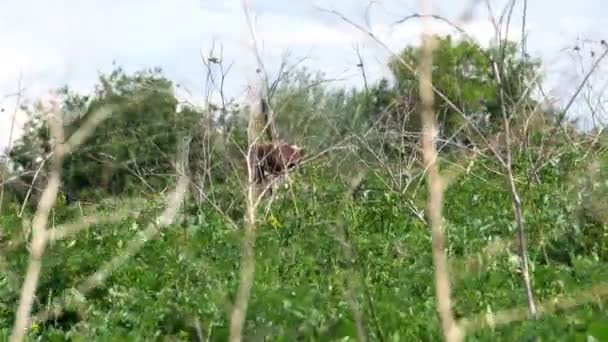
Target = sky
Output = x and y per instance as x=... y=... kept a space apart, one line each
x=47 y=44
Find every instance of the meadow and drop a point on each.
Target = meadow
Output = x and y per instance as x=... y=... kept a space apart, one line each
x=140 y=225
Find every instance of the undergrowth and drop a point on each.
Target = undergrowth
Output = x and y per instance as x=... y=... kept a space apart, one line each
x=182 y=283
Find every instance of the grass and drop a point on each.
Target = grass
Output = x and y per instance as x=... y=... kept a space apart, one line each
x=182 y=283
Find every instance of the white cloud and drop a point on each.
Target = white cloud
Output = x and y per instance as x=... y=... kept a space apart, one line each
x=69 y=41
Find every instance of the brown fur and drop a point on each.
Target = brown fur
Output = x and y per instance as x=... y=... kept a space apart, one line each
x=274 y=159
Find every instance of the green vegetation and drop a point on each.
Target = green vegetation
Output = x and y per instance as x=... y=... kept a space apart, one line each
x=182 y=283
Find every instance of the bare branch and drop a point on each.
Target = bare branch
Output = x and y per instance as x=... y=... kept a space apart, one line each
x=580 y=87
x=39 y=237
x=598 y=291
x=10 y=134
x=47 y=201
x=515 y=200
x=247 y=271
x=174 y=201
x=451 y=331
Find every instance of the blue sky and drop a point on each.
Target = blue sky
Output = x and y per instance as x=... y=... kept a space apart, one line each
x=52 y=43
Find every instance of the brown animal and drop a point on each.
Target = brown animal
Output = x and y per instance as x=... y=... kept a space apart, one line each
x=274 y=159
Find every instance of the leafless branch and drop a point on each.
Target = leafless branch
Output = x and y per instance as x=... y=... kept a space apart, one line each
x=515 y=199
x=29 y=190
x=595 y=65
x=174 y=201
x=247 y=266
x=451 y=331
x=10 y=135
x=361 y=65
x=47 y=201
x=413 y=70
x=597 y=292
x=39 y=235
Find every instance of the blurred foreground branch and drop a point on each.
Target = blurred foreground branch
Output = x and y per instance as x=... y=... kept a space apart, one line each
x=47 y=201
x=451 y=331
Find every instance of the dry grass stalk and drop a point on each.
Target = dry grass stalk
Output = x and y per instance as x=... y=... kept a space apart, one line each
x=239 y=310
x=254 y=195
x=71 y=229
x=451 y=331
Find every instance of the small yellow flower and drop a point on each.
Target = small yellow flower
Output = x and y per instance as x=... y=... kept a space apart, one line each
x=184 y=334
x=274 y=223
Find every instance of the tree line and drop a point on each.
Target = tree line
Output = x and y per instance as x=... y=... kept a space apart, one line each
x=132 y=152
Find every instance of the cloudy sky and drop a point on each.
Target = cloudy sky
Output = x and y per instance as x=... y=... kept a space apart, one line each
x=48 y=44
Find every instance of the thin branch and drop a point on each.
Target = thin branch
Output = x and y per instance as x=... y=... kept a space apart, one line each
x=515 y=199
x=247 y=266
x=39 y=235
x=595 y=65
x=523 y=29
x=597 y=292
x=166 y=218
x=174 y=201
x=10 y=135
x=47 y=201
x=29 y=190
x=451 y=331
x=413 y=70
x=361 y=65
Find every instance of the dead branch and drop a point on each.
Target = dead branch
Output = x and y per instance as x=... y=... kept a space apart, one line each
x=247 y=271
x=10 y=134
x=552 y=305
x=515 y=199
x=174 y=201
x=451 y=331
x=47 y=201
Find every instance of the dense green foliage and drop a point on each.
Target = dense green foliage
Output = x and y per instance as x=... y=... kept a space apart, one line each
x=463 y=72
x=190 y=272
x=183 y=282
